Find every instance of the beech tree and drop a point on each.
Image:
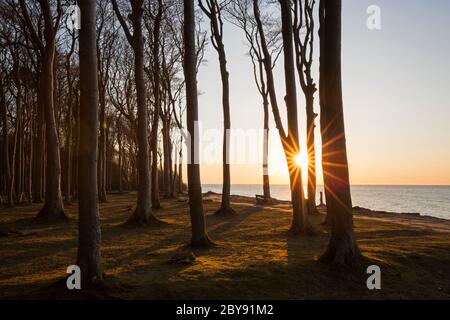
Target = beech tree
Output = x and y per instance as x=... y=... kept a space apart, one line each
x=53 y=206
x=342 y=248
x=200 y=237
x=157 y=101
x=304 y=49
x=242 y=16
x=213 y=10
x=89 y=233
x=143 y=212
x=289 y=140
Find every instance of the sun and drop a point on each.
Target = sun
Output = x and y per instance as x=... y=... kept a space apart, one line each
x=301 y=160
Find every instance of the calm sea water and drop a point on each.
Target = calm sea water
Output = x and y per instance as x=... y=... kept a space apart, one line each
x=426 y=200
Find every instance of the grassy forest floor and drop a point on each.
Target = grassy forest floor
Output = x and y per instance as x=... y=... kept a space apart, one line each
x=254 y=258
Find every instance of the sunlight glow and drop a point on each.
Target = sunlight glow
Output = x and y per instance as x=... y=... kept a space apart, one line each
x=301 y=160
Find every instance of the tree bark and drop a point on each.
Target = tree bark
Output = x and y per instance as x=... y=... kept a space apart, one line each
x=266 y=180
x=214 y=15
x=142 y=215
x=102 y=148
x=39 y=155
x=89 y=235
x=53 y=206
x=5 y=153
x=304 y=48
x=200 y=237
x=300 y=223
x=156 y=204
x=68 y=196
x=342 y=248
x=143 y=212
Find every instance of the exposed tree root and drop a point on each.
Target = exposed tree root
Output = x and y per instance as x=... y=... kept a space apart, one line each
x=342 y=254
x=225 y=211
x=303 y=231
x=139 y=221
x=51 y=214
x=202 y=243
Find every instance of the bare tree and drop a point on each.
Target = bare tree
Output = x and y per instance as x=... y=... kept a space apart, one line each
x=106 y=40
x=53 y=206
x=241 y=16
x=290 y=140
x=156 y=74
x=213 y=10
x=89 y=233
x=342 y=248
x=200 y=237
x=304 y=47
x=143 y=212
x=69 y=117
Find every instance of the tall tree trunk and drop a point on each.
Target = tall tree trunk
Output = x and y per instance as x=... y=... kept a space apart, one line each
x=342 y=248
x=102 y=148
x=53 y=206
x=213 y=11
x=19 y=149
x=266 y=181
x=40 y=141
x=180 y=167
x=119 y=142
x=68 y=196
x=304 y=49
x=300 y=223
x=89 y=234
x=167 y=156
x=29 y=181
x=225 y=207
x=5 y=154
x=310 y=140
x=200 y=237
x=156 y=113
x=76 y=147
x=143 y=212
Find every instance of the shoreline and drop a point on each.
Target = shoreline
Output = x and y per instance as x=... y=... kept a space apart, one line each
x=356 y=209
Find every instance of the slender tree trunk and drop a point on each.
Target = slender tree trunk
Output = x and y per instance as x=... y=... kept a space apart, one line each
x=102 y=148
x=68 y=197
x=5 y=155
x=120 y=162
x=266 y=182
x=89 y=234
x=143 y=212
x=342 y=248
x=76 y=147
x=300 y=223
x=214 y=15
x=29 y=181
x=180 y=167
x=19 y=150
x=156 y=204
x=119 y=142
x=5 y=140
x=200 y=237
x=167 y=156
x=225 y=207
x=310 y=140
x=40 y=141
x=53 y=206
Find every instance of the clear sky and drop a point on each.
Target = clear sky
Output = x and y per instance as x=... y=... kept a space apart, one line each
x=396 y=96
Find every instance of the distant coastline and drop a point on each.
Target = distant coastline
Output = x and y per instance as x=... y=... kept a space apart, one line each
x=423 y=200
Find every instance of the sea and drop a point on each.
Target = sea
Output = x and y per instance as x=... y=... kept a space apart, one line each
x=426 y=200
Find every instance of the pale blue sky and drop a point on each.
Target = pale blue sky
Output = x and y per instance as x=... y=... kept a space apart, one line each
x=396 y=94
